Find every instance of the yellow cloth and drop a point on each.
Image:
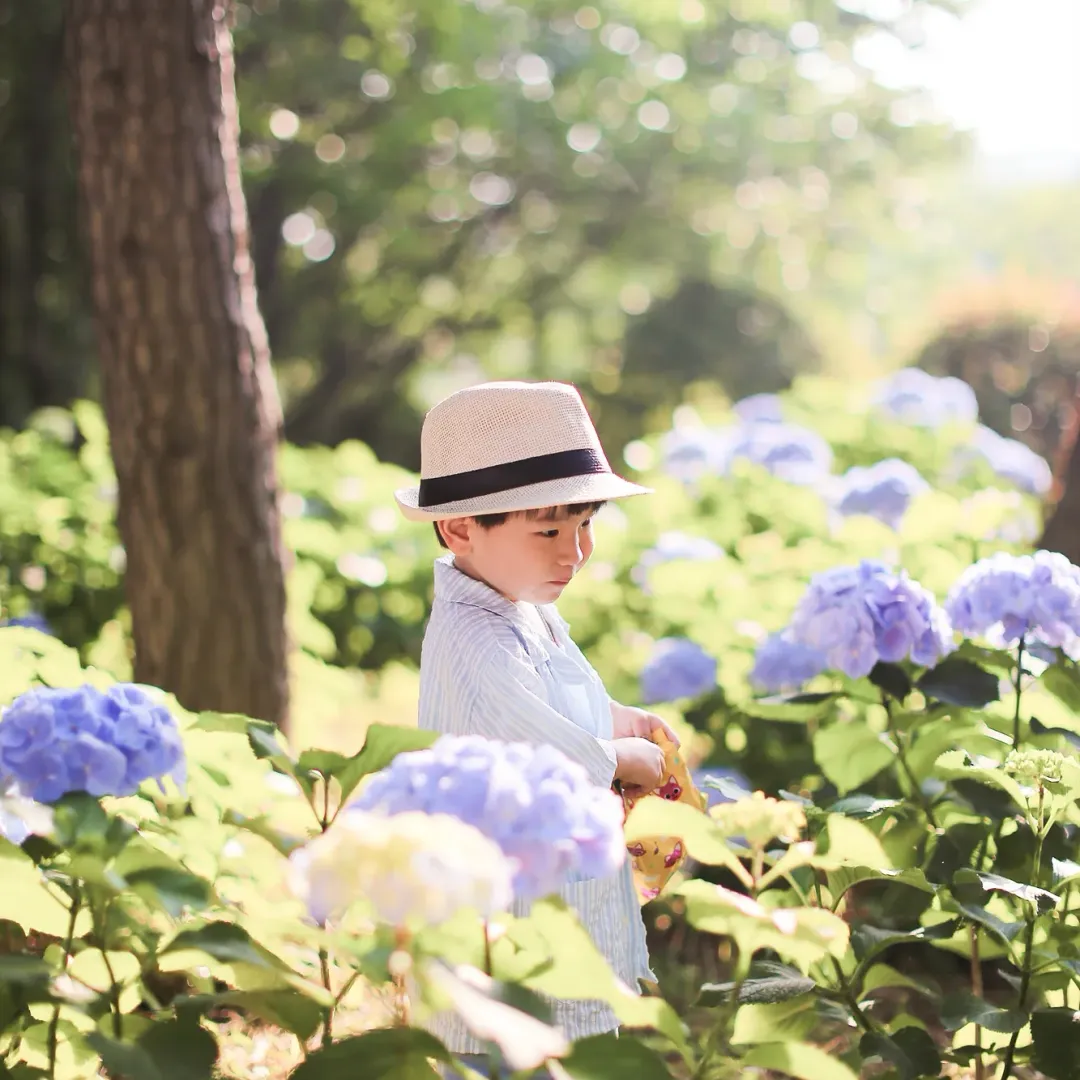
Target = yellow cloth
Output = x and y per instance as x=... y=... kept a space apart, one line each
x=655 y=859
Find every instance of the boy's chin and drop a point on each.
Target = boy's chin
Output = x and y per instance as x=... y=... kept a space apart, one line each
x=544 y=592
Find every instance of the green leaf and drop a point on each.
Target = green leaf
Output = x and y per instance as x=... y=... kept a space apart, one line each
x=26 y=900
x=765 y=991
x=863 y=806
x=798 y=708
x=958 y=764
x=956 y=681
x=398 y=1053
x=226 y=942
x=1064 y=683
x=231 y=723
x=180 y=1049
x=22 y=969
x=976 y=913
x=868 y=941
x=286 y=1009
x=891 y=678
x=850 y=753
x=853 y=844
x=607 y=1057
x=910 y=1049
x=801 y=1060
x=262 y=826
x=802 y=936
x=963 y=1008
x=1055 y=1034
x=173 y=890
x=325 y=762
x=124 y=1059
x=847 y=877
x=383 y=743
x=1044 y=901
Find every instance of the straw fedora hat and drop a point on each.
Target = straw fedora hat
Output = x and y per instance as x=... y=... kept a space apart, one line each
x=505 y=446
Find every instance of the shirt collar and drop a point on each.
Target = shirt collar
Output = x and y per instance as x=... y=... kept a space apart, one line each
x=454 y=587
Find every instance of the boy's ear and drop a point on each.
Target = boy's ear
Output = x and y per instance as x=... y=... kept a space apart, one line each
x=457 y=532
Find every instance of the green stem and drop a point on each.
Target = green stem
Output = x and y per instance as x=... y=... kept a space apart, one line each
x=54 y=1022
x=328 y=1016
x=849 y=999
x=1029 y=938
x=1016 y=687
x=114 y=995
x=718 y=1034
x=905 y=765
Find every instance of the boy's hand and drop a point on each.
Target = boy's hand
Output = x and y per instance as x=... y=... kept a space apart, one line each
x=638 y=763
x=628 y=722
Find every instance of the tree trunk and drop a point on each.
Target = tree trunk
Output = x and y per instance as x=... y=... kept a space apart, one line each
x=1062 y=532
x=189 y=395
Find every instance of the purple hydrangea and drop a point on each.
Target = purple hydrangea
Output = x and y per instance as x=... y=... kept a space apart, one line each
x=1005 y=597
x=882 y=490
x=689 y=453
x=53 y=741
x=790 y=452
x=760 y=409
x=677 y=668
x=33 y=621
x=916 y=397
x=857 y=615
x=534 y=802
x=1010 y=459
x=782 y=663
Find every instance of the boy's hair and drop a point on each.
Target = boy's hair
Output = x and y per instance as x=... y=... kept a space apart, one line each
x=549 y=513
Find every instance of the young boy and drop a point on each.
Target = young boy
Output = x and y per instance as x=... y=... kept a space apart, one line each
x=511 y=475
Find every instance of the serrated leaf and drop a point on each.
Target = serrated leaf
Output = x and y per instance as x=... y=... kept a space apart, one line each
x=910 y=1049
x=863 y=806
x=1055 y=1035
x=765 y=991
x=1044 y=901
x=891 y=678
x=382 y=744
x=963 y=1008
x=957 y=681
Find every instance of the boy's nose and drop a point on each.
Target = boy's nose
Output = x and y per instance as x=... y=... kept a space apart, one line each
x=570 y=553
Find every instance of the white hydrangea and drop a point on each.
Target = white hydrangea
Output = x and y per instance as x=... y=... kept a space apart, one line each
x=414 y=869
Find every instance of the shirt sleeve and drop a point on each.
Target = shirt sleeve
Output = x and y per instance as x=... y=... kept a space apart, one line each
x=510 y=706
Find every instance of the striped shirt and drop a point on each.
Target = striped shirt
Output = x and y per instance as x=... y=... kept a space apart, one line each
x=486 y=669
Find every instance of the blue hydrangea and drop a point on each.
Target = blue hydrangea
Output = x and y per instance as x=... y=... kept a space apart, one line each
x=782 y=663
x=689 y=453
x=790 y=452
x=882 y=490
x=1005 y=597
x=858 y=615
x=760 y=409
x=1010 y=459
x=21 y=817
x=533 y=801
x=913 y=396
x=53 y=741
x=33 y=621
x=677 y=668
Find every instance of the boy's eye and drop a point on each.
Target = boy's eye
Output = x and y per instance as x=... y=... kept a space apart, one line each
x=550 y=534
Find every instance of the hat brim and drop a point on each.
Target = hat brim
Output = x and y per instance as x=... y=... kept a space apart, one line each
x=593 y=487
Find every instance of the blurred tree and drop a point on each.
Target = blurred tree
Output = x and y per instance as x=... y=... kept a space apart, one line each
x=432 y=183
x=189 y=395
x=45 y=336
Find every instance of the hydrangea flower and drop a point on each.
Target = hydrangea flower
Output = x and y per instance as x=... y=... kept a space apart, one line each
x=533 y=801
x=760 y=409
x=790 y=452
x=1009 y=459
x=882 y=490
x=916 y=397
x=677 y=668
x=689 y=453
x=53 y=741
x=1006 y=597
x=414 y=869
x=33 y=621
x=857 y=615
x=21 y=817
x=782 y=663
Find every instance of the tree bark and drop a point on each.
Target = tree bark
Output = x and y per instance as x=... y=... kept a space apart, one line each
x=189 y=395
x=1062 y=531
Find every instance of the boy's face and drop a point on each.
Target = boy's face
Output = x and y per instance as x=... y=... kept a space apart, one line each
x=531 y=559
